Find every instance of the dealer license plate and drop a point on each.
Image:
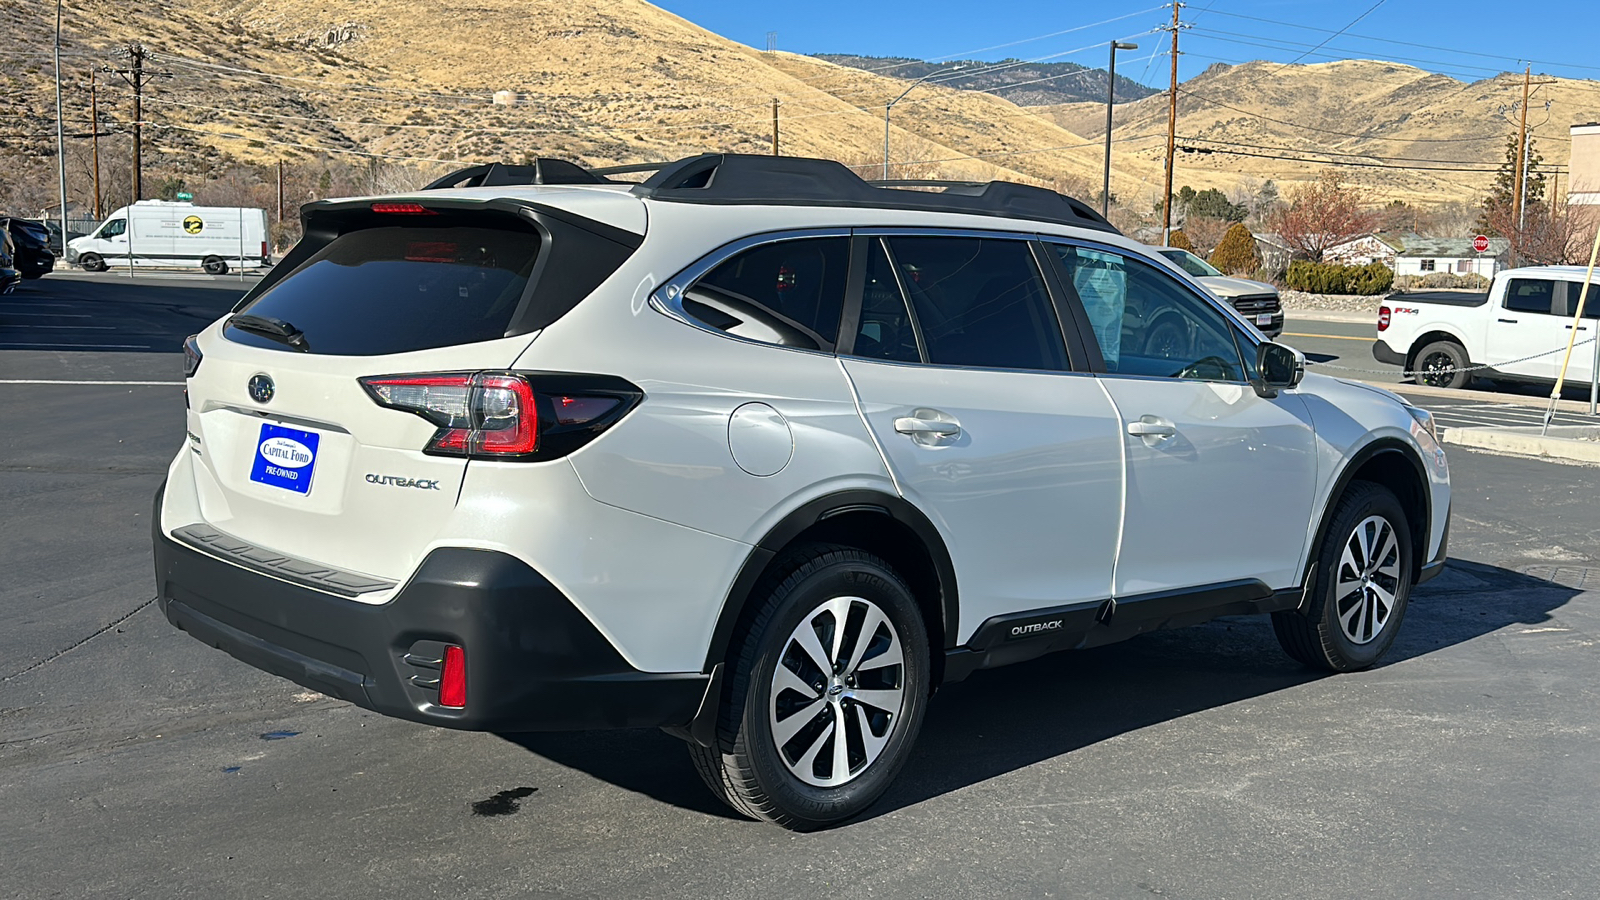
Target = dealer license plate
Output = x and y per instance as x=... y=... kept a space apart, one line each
x=1264 y=319
x=285 y=458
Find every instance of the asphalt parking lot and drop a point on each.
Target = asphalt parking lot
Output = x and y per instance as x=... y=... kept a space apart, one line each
x=137 y=762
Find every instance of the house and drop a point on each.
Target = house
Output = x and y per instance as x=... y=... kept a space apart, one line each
x=1274 y=251
x=1368 y=248
x=1424 y=256
x=1583 y=180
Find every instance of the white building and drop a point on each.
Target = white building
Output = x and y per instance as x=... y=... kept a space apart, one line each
x=1583 y=184
x=1365 y=249
x=1424 y=256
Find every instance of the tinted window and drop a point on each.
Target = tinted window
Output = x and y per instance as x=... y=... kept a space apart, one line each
x=788 y=293
x=979 y=302
x=114 y=228
x=1190 y=263
x=396 y=289
x=1591 y=304
x=1530 y=295
x=886 y=330
x=1147 y=323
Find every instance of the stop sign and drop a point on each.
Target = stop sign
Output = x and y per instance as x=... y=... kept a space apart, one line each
x=1480 y=244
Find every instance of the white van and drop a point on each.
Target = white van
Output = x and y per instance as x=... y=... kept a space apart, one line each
x=176 y=234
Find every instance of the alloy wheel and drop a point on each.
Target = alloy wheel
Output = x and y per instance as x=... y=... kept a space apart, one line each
x=1438 y=370
x=838 y=691
x=1368 y=580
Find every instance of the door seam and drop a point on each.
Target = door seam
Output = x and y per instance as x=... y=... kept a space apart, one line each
x=1122 y=495
x=861 y=414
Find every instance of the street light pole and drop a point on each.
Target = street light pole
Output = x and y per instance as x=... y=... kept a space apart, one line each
x=890 y=105
x=1111 y=96
x=61 y=138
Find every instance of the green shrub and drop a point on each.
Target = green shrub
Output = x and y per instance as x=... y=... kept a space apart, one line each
x=1180 y=240
x=1328 y=278
x=1236 y=253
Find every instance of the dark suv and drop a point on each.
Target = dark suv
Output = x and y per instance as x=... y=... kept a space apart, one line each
x=33 y=256
x=9 y=276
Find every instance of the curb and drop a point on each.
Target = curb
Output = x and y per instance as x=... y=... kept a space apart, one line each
x=1570 y=443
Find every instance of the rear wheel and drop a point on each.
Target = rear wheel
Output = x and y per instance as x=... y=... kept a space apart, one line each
x=828 y=684
x=92 y=262
x=1443 y=364
x=214 y=265
x=1363 y=583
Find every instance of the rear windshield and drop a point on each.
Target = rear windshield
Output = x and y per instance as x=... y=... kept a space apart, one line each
x=396 y=289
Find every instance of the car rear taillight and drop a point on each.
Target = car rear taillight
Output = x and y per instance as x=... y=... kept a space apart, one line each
x=1383 y=318
x=453 y=678
x=191 y=356
x=264 y=254
x=507 y=415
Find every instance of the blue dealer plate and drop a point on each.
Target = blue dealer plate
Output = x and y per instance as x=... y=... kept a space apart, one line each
x=285 y=458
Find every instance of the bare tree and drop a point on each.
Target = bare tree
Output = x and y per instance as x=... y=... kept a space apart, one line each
x=1322 y=214
x=1205 y=232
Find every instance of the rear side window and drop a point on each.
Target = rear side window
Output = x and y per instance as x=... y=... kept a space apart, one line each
x=397 y=289
x=980 y=302
x=1530 y=295
x=788 y=293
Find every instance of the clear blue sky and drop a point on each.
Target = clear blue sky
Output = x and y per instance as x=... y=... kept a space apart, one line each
x=1465 y=39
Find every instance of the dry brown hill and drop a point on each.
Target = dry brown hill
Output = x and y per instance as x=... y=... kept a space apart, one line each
x=1356 y=112
x=624 y=81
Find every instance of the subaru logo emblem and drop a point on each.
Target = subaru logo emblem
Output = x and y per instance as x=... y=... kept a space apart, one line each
x=261 y=388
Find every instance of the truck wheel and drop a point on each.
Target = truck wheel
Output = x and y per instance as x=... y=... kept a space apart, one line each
x=1363 y=582
x=92 y=262
x=214 y=265
x=827 y=687
x=1443 y=364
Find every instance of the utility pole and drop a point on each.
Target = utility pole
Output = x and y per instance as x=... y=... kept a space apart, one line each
x=61 y=139
x=94 y=131
x=774 y=126
x=136 y=75
x=279 y=220
x=1516 y=181
x=1111 y=98
x=1172 y=130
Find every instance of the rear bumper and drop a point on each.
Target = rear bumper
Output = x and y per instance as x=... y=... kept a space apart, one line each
x=1382 y=353
x=534 y=662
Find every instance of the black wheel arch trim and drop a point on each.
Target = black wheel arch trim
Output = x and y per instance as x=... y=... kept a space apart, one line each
x=828 y=506
x=1369 y=452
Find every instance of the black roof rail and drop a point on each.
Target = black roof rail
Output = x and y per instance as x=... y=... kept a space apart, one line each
x=543 y=171
x=738 y=178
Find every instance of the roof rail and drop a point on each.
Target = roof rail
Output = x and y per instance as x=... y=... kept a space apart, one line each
x=740 y=178
x=543 y=171
x=737 y=178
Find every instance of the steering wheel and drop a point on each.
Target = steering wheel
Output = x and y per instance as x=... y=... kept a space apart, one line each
x=1211 y=368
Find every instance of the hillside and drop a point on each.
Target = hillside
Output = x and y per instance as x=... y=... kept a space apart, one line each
x=263 y=81
x=1357 y=111
x=1023 y=83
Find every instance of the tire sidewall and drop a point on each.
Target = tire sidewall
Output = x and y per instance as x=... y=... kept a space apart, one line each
x=1343 y=653
x=1458 y=357
x=92 y=262
x=819 y=806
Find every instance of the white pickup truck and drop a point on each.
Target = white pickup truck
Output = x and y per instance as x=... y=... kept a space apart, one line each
x=1515 y=331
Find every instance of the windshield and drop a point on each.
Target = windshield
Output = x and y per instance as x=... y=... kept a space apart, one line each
x=1188 y=262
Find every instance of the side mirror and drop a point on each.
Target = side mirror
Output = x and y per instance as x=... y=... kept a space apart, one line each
x=1277 y=368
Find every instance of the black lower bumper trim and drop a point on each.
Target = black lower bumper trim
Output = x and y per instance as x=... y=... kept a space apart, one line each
x=1382 y=353
x=534 y=662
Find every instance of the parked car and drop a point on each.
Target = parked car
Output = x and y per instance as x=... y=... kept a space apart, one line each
x=761 y=454
x=32 y=241
x=57 y=245
x=176 y=234
x=10 y=277
x=1255 y=300
x=1516 y=331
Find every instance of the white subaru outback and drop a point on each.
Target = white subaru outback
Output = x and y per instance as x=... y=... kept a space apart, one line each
x=762 y=454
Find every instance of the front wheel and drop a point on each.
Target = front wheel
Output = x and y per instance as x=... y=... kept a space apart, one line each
x=92 y=262
x=214 y=266
x=1443 y=364
x=1363 y=583
x=828 y=685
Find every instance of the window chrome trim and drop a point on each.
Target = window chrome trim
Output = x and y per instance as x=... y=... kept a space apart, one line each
x=668 y=299
x=1248 y=330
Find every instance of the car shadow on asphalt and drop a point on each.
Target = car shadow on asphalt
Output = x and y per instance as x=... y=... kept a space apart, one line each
x=110 y=314
x=1002 y=720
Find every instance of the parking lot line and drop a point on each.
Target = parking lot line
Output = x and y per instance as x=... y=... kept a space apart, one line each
x=1331 y=337
x=80 y=327
x=62 y=381
x=52 y=315
x=61 y=345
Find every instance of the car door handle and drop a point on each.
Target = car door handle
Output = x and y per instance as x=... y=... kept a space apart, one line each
x=1507 y=321
x=914 y=426
x=1580 y=328
x=1152 y=427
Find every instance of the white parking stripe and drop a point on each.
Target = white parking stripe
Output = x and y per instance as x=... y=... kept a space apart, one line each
x=58 y=381
x=63 y=345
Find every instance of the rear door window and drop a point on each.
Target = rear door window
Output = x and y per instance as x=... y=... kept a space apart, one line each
x=788 y=293
x=979 y=302
x=398 y=289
